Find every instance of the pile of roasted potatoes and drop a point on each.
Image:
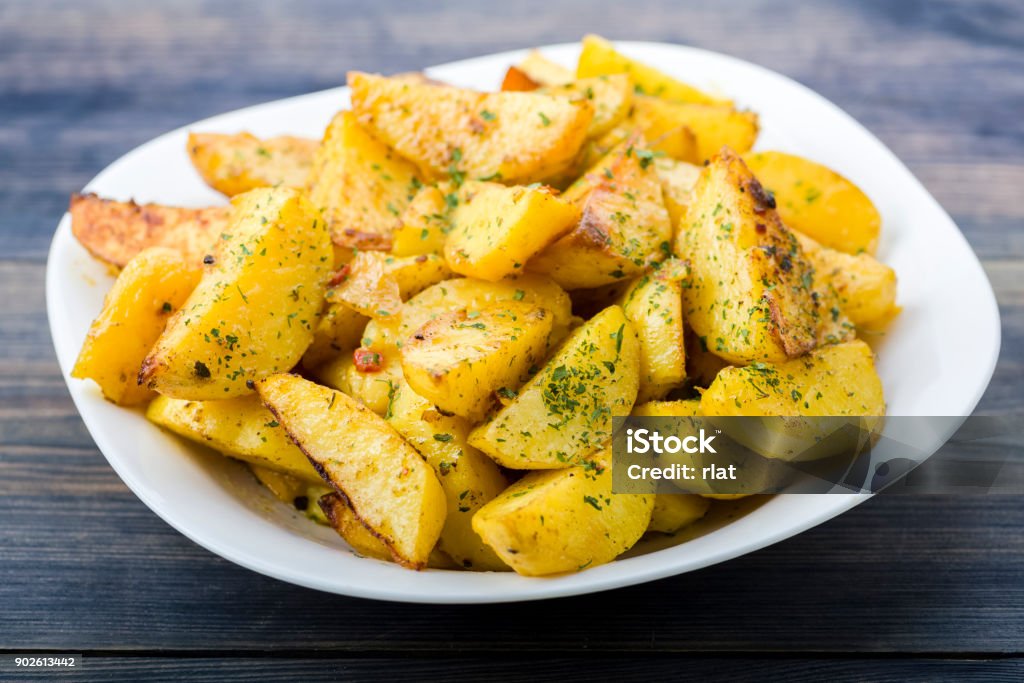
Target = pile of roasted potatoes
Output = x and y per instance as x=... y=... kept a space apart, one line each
x=418 y=328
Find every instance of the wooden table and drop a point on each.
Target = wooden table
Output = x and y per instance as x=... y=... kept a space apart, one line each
x=900 y=588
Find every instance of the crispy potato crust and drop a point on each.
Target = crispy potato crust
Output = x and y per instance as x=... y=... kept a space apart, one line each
x=114 y=231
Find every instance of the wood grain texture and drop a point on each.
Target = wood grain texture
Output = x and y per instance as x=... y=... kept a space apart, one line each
x=84 y=566
x=530 y=669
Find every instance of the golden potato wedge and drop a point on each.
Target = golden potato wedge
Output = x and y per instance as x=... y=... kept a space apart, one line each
x=624 y=227
x=543 y=71
x=702 y=366
x=340 y=330
x=240 y=428
x=563 y=520
x=681 y=408
x=564 y=413
x=752 y=291
x=151 y=287
x=515 y=137
x=673 y=511
x=254 y=310
x=385 y=480
x=472 y=295
x=713 y=126
x=864 y=287
x=375 y=284
x=114 y=232
x=460 y=359
x=373 y=380
x=237 y=163
x=611 y=97
x=834 y=380
x=469 y=478
x=425 y=223
x=654 y=304
x=600 y=58
x=343 y=519
x=678 y=180
x=818 y=202
x=497 y=229
x=360 y=185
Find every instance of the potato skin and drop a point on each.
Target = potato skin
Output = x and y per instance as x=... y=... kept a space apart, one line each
x=240 y=428
x=600 y=58
x=151 y=287
x=834 y=380
x=517 y=137
x=751 y=295
x=460 y=359
x=564 y=413
x=233 y=164
x=114 y=232
x=563 y=520
x=254 y=310
x=344 y=520
x=497 y=229
x=818 y=202
x=388 y=485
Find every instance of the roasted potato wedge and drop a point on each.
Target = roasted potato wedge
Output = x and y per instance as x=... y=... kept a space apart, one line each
x=713 y=126
x=623 y=229
x=360 y=186
x=375 y=284
x=515 y=137
x=472 y=295
x=544 y=72
x=343 y=519
x=234 y=164
x=114 y=232
x=818 y=202
x=673 y=511
x=834 y=380
x=563 y=520
x=702 y=366
x=254 y=310
x=600 y=58
x=469 y=478
x=240 y=428
x=564 y=413
x=610 y=96
x=373 y=380
x=654 y=304
x=865 y=288
x=678 y=180
x=461 y=360
x=385 y=480
x=425 y=223
x=152 y=286
x=752 y=290
x=497 y=229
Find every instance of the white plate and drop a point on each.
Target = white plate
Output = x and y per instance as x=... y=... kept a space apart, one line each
x=936 y=360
